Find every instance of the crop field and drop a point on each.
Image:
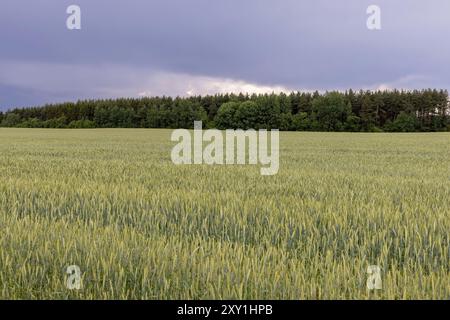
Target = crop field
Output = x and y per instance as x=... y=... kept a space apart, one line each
x=139 y=227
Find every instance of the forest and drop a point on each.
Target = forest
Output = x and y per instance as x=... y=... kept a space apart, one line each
x=351 y=111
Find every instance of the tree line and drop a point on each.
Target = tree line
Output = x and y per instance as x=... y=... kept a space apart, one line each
x=368 y=111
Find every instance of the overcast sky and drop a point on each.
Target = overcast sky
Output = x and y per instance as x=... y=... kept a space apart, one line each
x=135 y=48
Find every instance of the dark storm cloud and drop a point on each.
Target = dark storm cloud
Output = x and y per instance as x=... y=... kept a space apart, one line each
x=171 y=46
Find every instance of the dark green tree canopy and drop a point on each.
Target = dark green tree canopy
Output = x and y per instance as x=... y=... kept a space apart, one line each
x=404 y=111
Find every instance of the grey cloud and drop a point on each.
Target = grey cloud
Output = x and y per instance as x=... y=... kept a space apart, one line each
x=321 y=44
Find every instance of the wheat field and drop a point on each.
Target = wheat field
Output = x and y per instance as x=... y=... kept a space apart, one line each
x=139 y=227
